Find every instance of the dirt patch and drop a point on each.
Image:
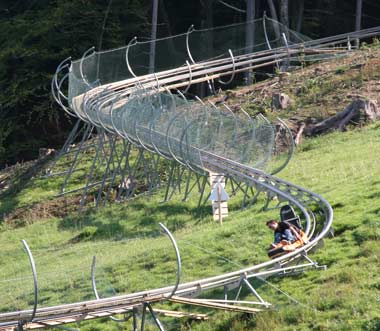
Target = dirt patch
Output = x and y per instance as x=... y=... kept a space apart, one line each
x=59 y=207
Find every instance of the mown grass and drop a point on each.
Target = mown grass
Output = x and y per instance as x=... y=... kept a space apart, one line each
x=132 y=255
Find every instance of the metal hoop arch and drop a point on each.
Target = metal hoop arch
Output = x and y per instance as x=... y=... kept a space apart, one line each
x=132 y=42
x=291 y=152
x=233 y=70
x=35 y=282
x=178 y=256
x=91 y=49
x=190 y=30
x=94 y=289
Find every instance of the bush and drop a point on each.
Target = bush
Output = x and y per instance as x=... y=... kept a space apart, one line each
x=372 y=325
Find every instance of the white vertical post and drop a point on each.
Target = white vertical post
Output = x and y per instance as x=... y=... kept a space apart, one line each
x=218 y=197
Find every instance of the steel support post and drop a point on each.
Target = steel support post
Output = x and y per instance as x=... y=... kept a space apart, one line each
x=156 y=320
x=202 y=191
x=88 y=130
x=254 y=197
x=126 y=169
x=239 y=290
x=245 y=197
x=112 y=142
x=117 y=171
x=155 y=170
x=254 y=292
x=170 y=179
x=187 y=186
x=92 y=169
x=177 y=180
x=134 y=320
x=143 y=317
x=147 y=172
x=65 y=148
x=225 y=289
x=133 y=174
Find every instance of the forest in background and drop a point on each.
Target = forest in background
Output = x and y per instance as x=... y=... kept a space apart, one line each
x=36 y=35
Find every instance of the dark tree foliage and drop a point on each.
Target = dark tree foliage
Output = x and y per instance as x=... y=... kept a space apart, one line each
x=36 y=35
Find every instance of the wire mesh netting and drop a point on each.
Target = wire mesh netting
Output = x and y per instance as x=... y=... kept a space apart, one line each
x=66 y=271
x=113 y=89
x=182 y=130
x=172 y=52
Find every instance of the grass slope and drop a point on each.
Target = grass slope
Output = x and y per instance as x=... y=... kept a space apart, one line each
x=342 y=167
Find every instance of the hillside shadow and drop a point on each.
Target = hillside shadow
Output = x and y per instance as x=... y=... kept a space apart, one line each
x=14 y=184
x=118 y=225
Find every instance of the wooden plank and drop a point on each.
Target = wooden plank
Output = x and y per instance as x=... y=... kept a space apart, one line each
x=209 y=304
x=173 y=313
x=66 y=320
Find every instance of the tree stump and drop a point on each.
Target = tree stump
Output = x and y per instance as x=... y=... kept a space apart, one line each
x=280 y=101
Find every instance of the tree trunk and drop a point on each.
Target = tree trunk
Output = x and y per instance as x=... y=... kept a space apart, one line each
x=152 y=52
x=273 y=14
x=164 y=15
x=250 y=35
x=358 y=20
x=272 y=9
x=207 y=23
x=284 y=12
x=300 y=15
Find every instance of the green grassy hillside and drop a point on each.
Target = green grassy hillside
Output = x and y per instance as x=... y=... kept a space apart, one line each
x=342 y=167
x=132 y=254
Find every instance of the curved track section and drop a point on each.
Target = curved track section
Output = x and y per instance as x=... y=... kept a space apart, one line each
x=144 y=111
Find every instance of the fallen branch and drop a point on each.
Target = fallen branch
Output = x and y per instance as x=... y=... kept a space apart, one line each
x=298 y=136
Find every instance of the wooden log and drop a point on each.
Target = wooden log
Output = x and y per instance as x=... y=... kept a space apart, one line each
x=354 y=110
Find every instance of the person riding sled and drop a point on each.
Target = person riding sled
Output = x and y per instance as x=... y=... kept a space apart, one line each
x=282 y=232
x=287 y=238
